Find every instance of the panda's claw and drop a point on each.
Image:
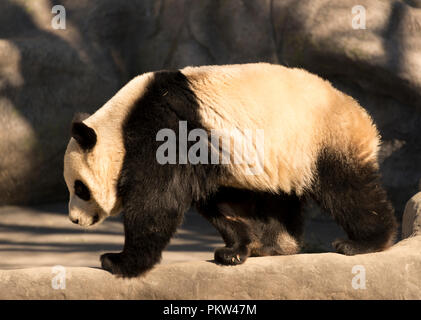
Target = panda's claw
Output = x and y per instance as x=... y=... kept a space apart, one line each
x=231 y=256
x=351 y=247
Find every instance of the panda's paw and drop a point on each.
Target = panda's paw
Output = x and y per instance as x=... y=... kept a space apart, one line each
x=111 y=262
x=120 y=265
x=348 y=247
x=231 y=256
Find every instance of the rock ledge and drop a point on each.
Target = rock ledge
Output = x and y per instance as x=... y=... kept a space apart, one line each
x=392 y=274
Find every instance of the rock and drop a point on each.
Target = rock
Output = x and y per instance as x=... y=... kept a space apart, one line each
x=106 y=43
x=411 y=222
x=45 y=76
x=414 y=3
x=302 y=276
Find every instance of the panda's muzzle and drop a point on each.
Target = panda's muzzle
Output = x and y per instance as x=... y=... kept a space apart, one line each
x=95 y=219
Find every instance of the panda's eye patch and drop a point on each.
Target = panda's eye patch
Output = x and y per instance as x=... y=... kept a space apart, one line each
x=82 y=191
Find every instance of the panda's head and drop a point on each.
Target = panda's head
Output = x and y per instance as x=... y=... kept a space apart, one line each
x=91 y=170
x=95 y=155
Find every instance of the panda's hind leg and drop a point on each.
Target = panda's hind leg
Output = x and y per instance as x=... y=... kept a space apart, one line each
x=277 y=224
x=350 y=190
x=235 y=232
x=254 y=224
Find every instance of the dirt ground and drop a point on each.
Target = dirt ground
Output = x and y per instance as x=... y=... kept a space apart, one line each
x=44 y=236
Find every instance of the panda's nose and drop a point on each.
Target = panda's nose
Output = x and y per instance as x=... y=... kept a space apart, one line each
x=76 y=221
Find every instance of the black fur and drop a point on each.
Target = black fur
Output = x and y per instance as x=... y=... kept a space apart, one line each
x=352 y=193
x=84 y=135
x=155 y=196
x=82 y=191
x=251 y=223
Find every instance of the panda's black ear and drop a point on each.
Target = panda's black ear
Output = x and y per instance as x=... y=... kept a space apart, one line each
x=84 y=135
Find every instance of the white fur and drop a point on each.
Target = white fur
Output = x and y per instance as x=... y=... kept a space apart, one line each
x=99 y=169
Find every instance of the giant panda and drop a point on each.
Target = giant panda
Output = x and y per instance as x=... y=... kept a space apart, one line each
x=318 y=143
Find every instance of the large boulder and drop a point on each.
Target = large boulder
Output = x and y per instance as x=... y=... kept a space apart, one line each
x=46 y=74
x=411 y=221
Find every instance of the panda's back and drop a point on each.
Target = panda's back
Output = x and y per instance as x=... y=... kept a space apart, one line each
x=301 y=115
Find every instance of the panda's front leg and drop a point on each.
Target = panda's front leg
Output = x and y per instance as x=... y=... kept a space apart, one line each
x=146 y=236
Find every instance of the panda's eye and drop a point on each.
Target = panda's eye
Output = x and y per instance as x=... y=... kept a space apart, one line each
x=82 y=191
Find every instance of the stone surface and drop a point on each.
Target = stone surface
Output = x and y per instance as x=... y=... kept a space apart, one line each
x=411 y=221
x=392 y=274
x=47 y=74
